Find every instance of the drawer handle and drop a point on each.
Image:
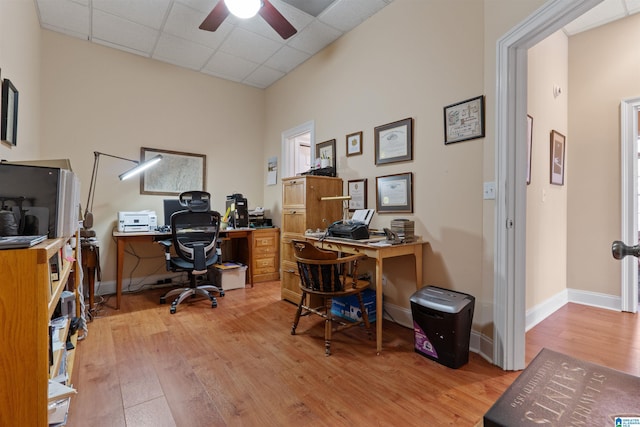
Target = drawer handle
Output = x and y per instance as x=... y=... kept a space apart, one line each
x=290 y=271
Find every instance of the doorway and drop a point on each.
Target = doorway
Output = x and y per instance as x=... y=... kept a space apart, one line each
x=511 y=171
x=296 y=149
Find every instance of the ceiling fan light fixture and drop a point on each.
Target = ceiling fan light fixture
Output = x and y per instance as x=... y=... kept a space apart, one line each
x=244 y=8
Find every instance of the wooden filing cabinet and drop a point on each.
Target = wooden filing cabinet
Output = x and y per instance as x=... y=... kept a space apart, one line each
x=265 y=263
x=302 y=210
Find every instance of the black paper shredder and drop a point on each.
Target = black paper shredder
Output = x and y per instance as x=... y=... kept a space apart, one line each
x=442 y=324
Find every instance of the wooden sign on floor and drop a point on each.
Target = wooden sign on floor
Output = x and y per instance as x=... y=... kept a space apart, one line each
x=558 y=390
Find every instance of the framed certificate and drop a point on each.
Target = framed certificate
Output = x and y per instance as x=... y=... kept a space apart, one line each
x=394 y=193
x=394 y=142
x=464 y=120
x=357 y=189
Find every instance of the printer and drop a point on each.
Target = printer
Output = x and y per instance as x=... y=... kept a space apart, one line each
x=137 y=221
x=357 y=228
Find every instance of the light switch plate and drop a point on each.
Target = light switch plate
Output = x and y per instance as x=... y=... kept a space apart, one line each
x=489 y=191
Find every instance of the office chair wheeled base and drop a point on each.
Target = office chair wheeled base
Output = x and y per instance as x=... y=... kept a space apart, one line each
x=184 y=293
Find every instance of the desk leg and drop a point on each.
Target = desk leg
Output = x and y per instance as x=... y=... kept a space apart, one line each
x=417 y=253
x=119 y=268
x=379 y=312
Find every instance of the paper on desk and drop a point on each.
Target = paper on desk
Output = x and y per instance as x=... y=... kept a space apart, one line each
x=380 y=243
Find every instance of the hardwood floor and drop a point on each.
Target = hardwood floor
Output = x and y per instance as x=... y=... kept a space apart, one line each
x=238 y=365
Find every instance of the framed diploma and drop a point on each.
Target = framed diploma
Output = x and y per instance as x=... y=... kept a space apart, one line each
x=394 y=142
x=464 y=120
x=357 y=189
x=9 y=126
x=394 y=193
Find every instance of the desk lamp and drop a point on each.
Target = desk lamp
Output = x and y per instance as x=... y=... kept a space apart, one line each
x=345 y=205
x=140 y=166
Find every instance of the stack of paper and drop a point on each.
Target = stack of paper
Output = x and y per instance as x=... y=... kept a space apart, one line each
x=404 y=228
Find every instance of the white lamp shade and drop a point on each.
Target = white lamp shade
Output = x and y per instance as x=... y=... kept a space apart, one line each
x=243 y=8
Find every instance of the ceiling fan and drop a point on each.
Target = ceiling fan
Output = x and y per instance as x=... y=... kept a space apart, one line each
x=248 y=9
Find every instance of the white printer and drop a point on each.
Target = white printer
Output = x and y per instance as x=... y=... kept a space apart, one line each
x=137 y=221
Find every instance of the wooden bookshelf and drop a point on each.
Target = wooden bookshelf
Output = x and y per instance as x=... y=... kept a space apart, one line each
x=28 y=298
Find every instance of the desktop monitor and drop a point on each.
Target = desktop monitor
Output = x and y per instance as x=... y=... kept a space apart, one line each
x=171 y=206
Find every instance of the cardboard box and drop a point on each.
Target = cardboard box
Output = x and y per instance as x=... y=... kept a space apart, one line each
x=349 y=308
x=229 y=276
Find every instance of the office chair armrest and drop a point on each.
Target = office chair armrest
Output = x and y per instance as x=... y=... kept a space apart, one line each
x=167 y=252
x=166 y=243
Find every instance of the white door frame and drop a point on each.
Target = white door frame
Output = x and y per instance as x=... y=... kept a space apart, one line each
x=511 y=168
x=287 y=149
x=629 y=197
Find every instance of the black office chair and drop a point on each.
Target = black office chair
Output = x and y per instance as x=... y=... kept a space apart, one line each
x=194 y=236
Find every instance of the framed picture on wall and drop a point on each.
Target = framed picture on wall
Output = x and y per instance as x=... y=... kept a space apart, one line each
x=394 y=141
x=558 y=141
x=9 y=113
x=326 y=153
x=357 y=189
x=464 y=121
x=529 y=146
x=176 y=173
x=354 y=144
x=394 y=193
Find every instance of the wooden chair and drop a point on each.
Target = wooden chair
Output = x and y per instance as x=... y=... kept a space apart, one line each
x=325 y=275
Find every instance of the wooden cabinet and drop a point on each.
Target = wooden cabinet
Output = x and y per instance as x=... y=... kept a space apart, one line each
x=28 y=298
x=302 y=210
x=265 y=260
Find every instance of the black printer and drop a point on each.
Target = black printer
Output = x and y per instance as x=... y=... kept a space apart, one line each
x=355 y=230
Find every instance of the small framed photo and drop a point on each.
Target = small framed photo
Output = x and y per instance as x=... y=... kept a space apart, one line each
x=529 y=146
x=354 y=144
x=357 y=189
x=464 y=120
x=394 y=193
x=557 y=157
x=394 y=142
x=326 y=152
x=9 y=113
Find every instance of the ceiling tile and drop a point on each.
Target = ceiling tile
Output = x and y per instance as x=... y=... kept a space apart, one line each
x=65 y=15
x=184 y=22
x=121 y=32
x=248 y=45
x=146 y=12
x=347 y=14
x=633 y=6
x=286 y=59
x=229 y=66
x=314 y=37
x=181 y=52
x=263 y=77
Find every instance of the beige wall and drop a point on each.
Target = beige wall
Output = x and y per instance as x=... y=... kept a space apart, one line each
x=603 y=70
x=390 y=68
x=546 y=203
x=20 y=63
x=100 y=99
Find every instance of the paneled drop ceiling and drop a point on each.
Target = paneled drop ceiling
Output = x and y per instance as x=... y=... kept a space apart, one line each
x=245 y=51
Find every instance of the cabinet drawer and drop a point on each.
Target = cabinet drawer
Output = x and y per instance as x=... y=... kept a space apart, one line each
x=294 y=221
x=294 y=192
x=268 y=242
x=264 y=265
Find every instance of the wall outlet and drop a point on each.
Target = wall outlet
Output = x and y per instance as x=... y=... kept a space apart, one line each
x=384 y=280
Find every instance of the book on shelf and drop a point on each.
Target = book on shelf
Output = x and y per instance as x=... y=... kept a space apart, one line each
x=59 y=391
x=55 y=267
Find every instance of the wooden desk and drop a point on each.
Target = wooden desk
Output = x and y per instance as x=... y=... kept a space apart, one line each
x=379 y=254
x=152 y=236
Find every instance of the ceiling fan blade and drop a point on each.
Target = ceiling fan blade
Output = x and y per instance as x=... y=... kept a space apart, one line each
x=215 y=18
x=276 y=20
